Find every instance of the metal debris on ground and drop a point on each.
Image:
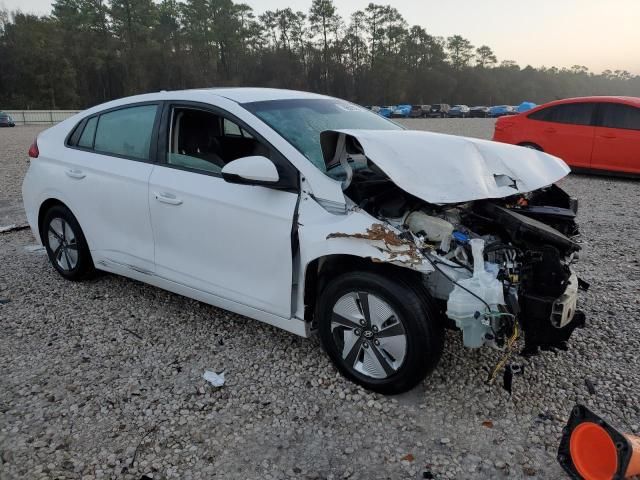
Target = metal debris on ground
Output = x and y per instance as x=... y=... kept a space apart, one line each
x=13 y=228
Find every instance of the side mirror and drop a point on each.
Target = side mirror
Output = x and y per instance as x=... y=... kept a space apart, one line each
x=254 y=170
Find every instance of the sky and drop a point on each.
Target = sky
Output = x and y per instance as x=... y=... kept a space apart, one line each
x=600 y=34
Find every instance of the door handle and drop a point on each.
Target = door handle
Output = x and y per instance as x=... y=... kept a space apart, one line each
x=608 y=135
x=550 y=130
x=77 y=174
x=169 y=198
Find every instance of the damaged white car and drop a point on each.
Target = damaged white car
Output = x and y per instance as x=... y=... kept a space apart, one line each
x=308 y=212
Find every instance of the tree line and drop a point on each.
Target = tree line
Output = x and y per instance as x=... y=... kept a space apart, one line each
x=90 y=51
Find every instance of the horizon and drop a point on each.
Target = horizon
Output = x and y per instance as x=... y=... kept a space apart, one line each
x=559 y=38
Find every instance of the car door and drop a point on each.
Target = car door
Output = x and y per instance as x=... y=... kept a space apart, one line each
x=617 y=138
x=106 y=172
x=566 y=131
x=229 y=240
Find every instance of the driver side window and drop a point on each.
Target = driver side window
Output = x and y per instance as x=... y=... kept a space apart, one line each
x=205 y=141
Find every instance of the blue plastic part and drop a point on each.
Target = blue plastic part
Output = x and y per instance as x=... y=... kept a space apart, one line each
x=460 y=237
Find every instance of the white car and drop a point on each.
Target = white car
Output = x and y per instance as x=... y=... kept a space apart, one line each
x=311 y=213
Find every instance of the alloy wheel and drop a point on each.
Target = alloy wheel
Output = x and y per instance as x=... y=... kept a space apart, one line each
x=370 y=335
x=63 y=244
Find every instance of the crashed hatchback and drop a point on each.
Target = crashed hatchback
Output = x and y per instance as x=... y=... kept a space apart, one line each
x=313 y=214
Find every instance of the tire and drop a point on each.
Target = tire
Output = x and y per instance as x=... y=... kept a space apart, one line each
x=66 y=245
x=379 y=331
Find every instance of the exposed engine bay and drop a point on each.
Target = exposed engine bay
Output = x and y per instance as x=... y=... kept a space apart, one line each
x=501 y=266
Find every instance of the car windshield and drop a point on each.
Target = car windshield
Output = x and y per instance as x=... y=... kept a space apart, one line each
x=300 y=121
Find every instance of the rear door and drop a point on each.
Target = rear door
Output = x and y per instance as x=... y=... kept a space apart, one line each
x=565 y=131
x=106 y=173
x=617 y=138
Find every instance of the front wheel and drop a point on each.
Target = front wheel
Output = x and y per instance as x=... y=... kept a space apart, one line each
x=379 y=331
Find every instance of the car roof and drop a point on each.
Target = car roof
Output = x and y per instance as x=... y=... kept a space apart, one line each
x=246 y=94
x=251 y=94
x=235 y=94
x=597 y=98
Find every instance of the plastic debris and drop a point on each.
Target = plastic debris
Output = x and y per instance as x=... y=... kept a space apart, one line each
x=590 y=386
x=215 y=379
x=35 y=249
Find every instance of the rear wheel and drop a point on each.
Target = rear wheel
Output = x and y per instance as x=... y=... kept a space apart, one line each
x=378 y=331
x=65 y=244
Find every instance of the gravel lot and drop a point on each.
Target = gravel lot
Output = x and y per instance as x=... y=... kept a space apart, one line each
x=103 y=379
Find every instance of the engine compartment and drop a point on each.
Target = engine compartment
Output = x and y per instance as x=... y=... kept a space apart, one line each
x=500 y=266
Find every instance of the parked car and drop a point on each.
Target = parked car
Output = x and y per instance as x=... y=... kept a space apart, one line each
x=386 y=111
x=401 y=111
x=439 y=110
x=525 y=107
x=459 y=111
x=305 y=211
x=6 y=120
x=479 y=112
x=418 y=111
x=501 y=110
x=589 y=133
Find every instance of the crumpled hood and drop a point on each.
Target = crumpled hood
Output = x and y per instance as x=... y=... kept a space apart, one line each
x=441 y=168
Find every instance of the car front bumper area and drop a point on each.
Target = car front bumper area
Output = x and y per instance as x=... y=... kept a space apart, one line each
x=548 y=322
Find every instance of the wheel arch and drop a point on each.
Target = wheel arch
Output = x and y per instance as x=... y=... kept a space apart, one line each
x=321 y=270
x=42 y=211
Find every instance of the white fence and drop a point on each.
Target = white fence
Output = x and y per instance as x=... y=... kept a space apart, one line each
x=35 y=117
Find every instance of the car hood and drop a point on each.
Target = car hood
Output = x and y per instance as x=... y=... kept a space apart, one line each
x=441 y=169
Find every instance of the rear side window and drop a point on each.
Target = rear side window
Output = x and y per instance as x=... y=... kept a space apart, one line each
x=126 y=131
x=542 y=115
x=617 y=115
x=86 y=139
x=570 y=113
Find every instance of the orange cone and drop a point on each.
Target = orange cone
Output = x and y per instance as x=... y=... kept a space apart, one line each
x=591 y=449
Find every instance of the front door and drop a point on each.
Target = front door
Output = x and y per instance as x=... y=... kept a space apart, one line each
x=229 y=240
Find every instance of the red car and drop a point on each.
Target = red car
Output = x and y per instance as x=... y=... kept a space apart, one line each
x=588 y=133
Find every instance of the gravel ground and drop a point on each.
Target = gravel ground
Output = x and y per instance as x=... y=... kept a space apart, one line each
x=102 y=379
x=14 y=145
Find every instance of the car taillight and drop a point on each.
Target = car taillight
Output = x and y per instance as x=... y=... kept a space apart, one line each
x=33 y=149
